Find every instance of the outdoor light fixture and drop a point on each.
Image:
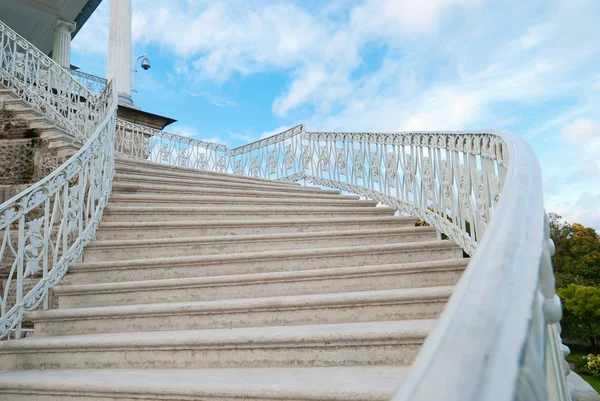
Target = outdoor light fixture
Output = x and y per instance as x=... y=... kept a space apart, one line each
x=145 y=66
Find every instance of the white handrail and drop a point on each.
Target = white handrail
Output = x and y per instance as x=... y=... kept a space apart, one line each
x=497 y=339
x=47 y=86
x=44 y=228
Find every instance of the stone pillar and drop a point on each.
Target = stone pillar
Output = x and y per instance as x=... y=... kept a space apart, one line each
x=119 y=49
x=61 y=51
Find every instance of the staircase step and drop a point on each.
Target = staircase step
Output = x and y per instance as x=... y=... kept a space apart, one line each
x=215 y=201
x=198 y=178
x=134 y=166
x=190 y=246
x=347 y=344
x=119 y=188
x=202 y=182
x=13 y=103
x=179 y=229
x=217 y=188
x=260 y=262
x=339 y=383
x=40 y=122
x=20 y=108
x=157 y=213
x=347 y=307
x=321 y=281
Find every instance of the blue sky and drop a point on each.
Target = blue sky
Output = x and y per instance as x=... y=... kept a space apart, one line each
x=232 y=71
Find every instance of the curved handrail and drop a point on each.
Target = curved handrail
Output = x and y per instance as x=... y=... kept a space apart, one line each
x=498 y=338
x=47 y=86
x=497 y=332
x=481 y=189
x=46 y=226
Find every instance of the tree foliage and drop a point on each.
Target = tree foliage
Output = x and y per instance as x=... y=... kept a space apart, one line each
x=577 y=256
x=576 y=264
x=581 y=321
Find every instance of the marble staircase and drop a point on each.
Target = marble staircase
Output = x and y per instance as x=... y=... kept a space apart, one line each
x=206 y=286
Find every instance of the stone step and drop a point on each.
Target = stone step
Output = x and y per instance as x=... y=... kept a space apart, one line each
x=259 y=262
x=193 y=177
x=179 y=229
x=347 y=307
x=342 y=344
x=216 y=189
x=40 y=122
x=174 y=200
x=157 y=213
x=165 y=170
x=10 y=100
x=25 y=112
x=18 y=104
x=208 y=182
x=259 y=285
x=338 y=383
x=190 y=246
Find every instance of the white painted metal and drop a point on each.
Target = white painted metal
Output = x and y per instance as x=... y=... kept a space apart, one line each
x=91 y=82
x=47 y=86
x=140 y=142
x=44 y=228
x=465 y=184
x=498 y=338
x=145 y=66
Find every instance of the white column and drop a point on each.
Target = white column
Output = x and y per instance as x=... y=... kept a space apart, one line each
x=119 y=49
x=61 y=51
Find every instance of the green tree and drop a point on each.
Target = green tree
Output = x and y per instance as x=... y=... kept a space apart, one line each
x=581 y=320
x=577 y=256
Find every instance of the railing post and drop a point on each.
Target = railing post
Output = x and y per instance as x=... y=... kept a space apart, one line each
x=20 y=272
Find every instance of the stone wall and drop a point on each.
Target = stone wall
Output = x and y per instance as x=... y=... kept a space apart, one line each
x=24 y=157
x=17 y=161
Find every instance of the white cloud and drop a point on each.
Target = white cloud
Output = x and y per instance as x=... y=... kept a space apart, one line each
x=444 y=64
x=572 y=189
x=581 y=130
x=184 y=130
x=245 y=137
x=300 y=90
x=192 y=132
x=92 y=38
x=277 y=130
x=227 y=37
x=403 y=16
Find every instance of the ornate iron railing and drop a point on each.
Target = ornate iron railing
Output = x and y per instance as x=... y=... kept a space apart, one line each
x=91 y=82
x=141 y=142
x=498 y=338
x=44 y=228
x=47 y=86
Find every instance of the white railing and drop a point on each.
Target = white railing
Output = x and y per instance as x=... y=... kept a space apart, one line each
x=141 y=142
x=274 y=157
x=46 y=86
x=44 y=228
x=498 y=338
x=91 y=82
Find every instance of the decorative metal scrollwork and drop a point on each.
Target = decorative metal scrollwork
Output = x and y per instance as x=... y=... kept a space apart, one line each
x=34 y=241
